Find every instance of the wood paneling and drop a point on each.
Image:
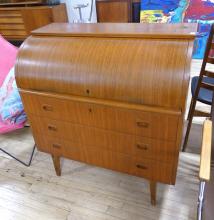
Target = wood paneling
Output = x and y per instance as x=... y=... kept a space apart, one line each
x=113 y=11
x=36 y=17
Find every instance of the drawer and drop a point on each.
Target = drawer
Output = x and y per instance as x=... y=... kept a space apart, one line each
x=12 y=27
x=134 y=165
x=59 y=147
x=9 y=20
x=146 y=168
x=153 y=170
x=10 y=13
x=146 y=124
x=13 y=32
x=108 y=140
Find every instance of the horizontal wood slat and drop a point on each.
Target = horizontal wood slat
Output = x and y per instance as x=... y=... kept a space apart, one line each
x=209 y=73
x=207 y=86
x=210 y=60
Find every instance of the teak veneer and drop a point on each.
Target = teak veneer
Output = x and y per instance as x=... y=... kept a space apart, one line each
x=17 y=22
x=111 y=95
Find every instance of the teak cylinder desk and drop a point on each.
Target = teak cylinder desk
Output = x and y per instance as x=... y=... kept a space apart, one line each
x=111 y=95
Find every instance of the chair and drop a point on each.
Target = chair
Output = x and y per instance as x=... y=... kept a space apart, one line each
x=7 y=60
x=202 y=87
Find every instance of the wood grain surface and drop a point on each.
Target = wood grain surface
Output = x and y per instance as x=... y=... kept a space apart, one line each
x=112 y=69
x=109 y=95
x=16 y=23
x=121 y=30
x=114 y=11
x=205 y=163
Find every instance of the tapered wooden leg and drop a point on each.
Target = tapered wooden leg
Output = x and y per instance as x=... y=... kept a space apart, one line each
x=56 y=162
x=153 y=187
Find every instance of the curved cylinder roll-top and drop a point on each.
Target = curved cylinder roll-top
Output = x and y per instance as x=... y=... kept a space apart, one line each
x=145 y=64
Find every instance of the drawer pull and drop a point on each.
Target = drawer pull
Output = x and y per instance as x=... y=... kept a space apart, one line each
x=47 y=107
x=142 y=146
x=52 y=128
x=58 y=146
x=140 y=166
x=142 y=124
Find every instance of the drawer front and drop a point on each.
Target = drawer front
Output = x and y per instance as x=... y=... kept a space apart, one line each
x=108 y=140
x=59 y=147
x=12 y=33
x=146 y=168
x=17 y=27
x=12 y=24
x=146 y=124
x=10 y=13
x=9 y=20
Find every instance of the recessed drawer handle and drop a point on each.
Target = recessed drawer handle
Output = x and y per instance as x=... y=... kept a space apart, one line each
x=142 y=146
x=142 y=124
x=140 y=166
x=58 y=146
x=47 y=107
x=52 y=128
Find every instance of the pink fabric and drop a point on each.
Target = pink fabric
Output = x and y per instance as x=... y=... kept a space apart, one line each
x=8 y=54
x=5 y=128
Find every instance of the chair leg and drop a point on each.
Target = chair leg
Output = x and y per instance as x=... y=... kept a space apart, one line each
x=190 y=109
x=190 y=117
x=20 y=161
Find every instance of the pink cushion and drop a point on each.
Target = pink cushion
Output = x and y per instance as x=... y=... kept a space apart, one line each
x=5 y=128
x=8 y=54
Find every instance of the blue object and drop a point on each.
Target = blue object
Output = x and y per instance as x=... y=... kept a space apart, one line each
x=205 y=96
x=12 y=110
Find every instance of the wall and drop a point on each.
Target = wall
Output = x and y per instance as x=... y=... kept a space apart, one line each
x=73 y=13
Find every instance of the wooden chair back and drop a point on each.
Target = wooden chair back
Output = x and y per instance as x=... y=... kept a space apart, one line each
x=207 y=59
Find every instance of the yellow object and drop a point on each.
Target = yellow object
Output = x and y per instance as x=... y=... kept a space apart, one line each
x=153 y=16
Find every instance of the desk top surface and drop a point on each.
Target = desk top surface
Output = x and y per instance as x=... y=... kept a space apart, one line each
x=127 y=30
